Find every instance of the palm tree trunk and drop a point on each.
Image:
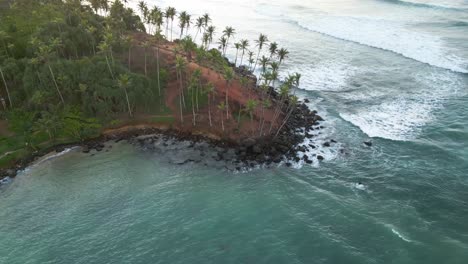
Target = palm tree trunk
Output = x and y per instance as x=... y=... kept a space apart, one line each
x=209 y=109
x=180 y=97
x=146 y=72
x=256 y=61
x=227 y=102
x=129 y=57
x=235 y=62
x=109 y=67
x=56 y=86
x=128 y=102
x=6 y=88
x=242 y=58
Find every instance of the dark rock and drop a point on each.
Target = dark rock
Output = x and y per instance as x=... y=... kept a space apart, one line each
x=326 y=144
x=333 y=141
x=86 y=149
x=306 y=100
x=256 y=149
x=309 y=161
x=249 y=142
x=368 y=143
x=319 y=157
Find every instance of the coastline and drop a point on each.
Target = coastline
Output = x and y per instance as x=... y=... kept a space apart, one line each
x=248 y=151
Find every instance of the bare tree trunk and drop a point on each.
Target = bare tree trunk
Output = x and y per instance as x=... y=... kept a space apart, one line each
x=6 y=88
x=209 y=109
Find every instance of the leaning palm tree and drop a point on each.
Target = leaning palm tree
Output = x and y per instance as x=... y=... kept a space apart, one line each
x=262 y=39
x=124 y=82
x=228 y=32
x=282 y=54
x=244 y=45
x=229 y=76
x=6 y=87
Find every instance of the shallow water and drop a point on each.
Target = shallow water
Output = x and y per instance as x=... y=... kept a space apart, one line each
x=387 y=69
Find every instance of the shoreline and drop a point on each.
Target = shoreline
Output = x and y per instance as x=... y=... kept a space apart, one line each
x=249 y=151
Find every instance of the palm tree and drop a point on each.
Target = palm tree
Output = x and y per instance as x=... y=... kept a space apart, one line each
x=273 y=49
x=210 y=31
x=210 y=90
x=199 y=26
x=127 y=42
x=282 y=54
x=265 y=104
x=3 y=38
x=221 y=108
x=244 y=45
x=124 y=82
x=146 y=45
x=264 y=62
x=180 y=66
x=222 y=44
x=206 y=20
x=170 y=13
x=250 y=108
x=292 y=101
x=205 y=40
x=104 y=48
x=229 y=76
x=251 y=60
x=158 y=37
x=228 y=32
x=237 y=46
x=6 y=87
x=182 y=22
x=262 y=39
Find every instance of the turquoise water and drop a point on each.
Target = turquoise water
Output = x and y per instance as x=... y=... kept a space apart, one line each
x=402 y=85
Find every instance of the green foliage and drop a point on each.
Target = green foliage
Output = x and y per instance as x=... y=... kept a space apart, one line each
x=79 y=127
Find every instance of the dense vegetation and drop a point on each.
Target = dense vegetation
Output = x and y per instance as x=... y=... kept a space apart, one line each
x=66 y=70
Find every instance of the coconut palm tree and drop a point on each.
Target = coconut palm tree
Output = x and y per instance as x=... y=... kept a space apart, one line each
x=251 y=60
x=221 y=108
x=262 y=40
x=250 y=107
x=199 y=25
x=206 y=20
x=222 y=44
x=282 y=54
x=244 y=45
x=124 y=82
x=6 y=87
x=180 y=67
x=265 y=104
x=273 y=49
x=182 y=22
x=228 y=76
x=127 y=42
x=146 y=45
x=264 y=63
x=210 y=90
x=205 y=40
x=210 y=31
x=171 y=13
x=293 y=102
x=228 y=32
x=237 y=46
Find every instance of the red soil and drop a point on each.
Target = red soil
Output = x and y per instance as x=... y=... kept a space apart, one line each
x=237 y=95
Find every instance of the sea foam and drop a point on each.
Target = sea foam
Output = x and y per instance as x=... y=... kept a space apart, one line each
x=394 y=36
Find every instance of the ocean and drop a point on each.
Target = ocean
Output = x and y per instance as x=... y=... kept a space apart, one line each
x=387 y=71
